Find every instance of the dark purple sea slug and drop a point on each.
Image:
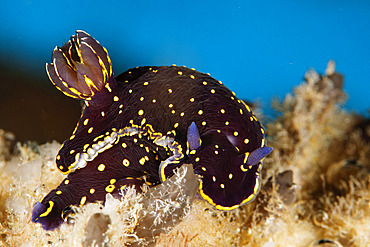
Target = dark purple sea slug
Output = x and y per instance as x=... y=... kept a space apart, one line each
x=138 y=127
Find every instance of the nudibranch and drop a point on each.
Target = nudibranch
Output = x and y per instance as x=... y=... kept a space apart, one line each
x=138 y=127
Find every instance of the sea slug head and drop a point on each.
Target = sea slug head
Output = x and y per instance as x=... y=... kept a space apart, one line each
x=47 y=214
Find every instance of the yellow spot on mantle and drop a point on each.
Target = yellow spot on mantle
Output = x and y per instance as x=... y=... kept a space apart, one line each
x=143 y=121
x=83 y=200
x=92 y=191
x=140 y=112
x=101 y=167
x=115 y=98
x=110 y=188
x=200 y=112
x=126 y=162
x=90 y=130
x=246 y=140
x=142 y=161
x=86 y=121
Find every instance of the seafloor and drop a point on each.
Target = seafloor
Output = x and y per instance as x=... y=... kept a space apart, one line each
x=316 y=188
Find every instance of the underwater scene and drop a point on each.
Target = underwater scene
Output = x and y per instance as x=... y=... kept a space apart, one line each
x=105 y=143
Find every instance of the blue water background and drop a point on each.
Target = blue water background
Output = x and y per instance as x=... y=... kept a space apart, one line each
x=259 y=49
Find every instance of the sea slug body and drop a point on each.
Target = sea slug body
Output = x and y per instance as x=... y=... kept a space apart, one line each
x=139 y=126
